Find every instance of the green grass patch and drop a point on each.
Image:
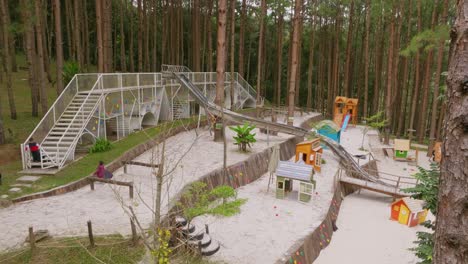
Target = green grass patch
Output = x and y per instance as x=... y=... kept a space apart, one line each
x=109 y=249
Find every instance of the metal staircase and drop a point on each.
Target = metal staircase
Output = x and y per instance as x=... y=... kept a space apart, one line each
x=59 y=144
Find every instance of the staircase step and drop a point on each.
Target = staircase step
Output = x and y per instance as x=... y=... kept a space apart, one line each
x=211 y=249
x=180 y=221
x=205 y=241
x=197 y=234
x=188 y=228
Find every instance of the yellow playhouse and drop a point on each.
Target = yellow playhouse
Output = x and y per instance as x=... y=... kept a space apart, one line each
x=343 y=106
x=310 y=152
x=408 y=211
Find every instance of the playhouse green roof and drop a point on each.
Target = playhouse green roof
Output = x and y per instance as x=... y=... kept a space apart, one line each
x=328 y=125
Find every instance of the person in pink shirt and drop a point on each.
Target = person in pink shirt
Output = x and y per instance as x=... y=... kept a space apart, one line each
x=100 y=171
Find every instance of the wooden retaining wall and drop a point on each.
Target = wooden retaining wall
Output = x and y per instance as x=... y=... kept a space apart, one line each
x=308 y=249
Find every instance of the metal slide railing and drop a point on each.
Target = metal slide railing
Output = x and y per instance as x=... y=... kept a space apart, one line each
x=297 y=131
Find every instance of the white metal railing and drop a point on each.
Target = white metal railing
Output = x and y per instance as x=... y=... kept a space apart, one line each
x=83 y=124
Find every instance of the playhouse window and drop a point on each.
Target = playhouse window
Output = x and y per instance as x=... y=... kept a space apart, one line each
x=318 y=159
x=311 y=157
x=305 y=188
x=280 y=185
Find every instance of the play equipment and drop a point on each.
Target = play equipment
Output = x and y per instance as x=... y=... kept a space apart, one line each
x=310 y=152
x=287 y=172
x=329 y=129
x=345 y=122
x=437 y=151
x=347 y=159
x=344 y=106
x=401 y=151
x=402 y=146
x=114 y=105
x=408 y=211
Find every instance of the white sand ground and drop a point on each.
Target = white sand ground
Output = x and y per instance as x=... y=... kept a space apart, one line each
x=365 y=234
x=267 y=227
x=66 y=215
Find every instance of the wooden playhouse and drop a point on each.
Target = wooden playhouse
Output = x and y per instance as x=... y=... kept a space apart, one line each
x=408 y=211
x=287 y=172
x=344 y=106
x=310 y=152
x=329 y=129
x=437 y=149
x=402 y=146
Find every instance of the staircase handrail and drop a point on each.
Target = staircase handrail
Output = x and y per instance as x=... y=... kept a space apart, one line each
x=77 y=113
x=52 y=108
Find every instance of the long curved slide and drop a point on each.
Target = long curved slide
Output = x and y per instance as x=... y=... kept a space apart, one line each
x=214 y=109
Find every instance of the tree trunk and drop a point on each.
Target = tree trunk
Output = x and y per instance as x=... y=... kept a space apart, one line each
x=366 y=58
x=417 y=76
x=279 y=62
x=242 y=37
x=451 y=233
x=440 y=58
x=427 y=78
x=388 y=95
x=31 y=55
x=221 y=52
x=347 y=71
x=131 y=56
x=40 y=60
x=311 y=65
x=123 y=57
x=140 y=36
x=261 y=45
x=99 y=30
x=58 y=46
x=107 y=35
x=76 y=31
x=294 y=55
x=196 y=39
x=233 y=42
x=7 y=58
x=209 y=38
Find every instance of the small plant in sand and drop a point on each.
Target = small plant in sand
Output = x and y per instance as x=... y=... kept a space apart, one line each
x=219 y=201
x=376 y=121
x=244 y=136
x=427 y=190
x=162 y=253
x=101 y=145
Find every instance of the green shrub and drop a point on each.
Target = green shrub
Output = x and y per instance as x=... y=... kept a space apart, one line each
x=101 y=145
x=199 y=201
x=244 y=136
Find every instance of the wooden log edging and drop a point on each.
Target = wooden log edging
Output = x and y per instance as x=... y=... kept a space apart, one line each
x=113 y=166
x=308 y=249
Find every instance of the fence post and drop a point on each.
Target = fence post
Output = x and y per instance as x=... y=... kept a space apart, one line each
x=134 y=233
x=91 y=183
x=130 y=189
x=90 y=234
x=207 y=230
x=32 y=239
x=125 y=167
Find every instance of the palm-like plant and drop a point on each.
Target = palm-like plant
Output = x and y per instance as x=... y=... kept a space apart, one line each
x=244 y=136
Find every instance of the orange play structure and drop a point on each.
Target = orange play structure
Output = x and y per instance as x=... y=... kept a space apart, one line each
x=310 y=152
x=437 y=152
x=343 y=106
x=408 y=211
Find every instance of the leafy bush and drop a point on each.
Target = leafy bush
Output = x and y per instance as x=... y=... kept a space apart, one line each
x=101 y=145
x=427 y=190
x=69 y=70
x=199 y=201
x=244 y=136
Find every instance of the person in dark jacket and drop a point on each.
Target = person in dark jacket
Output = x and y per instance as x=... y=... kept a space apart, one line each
x=34 y=148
